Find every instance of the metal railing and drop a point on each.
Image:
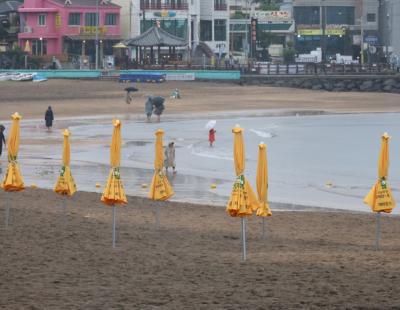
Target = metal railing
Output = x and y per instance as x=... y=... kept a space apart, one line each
x=163 y=6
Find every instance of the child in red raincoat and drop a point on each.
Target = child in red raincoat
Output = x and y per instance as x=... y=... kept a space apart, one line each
x=211 y=136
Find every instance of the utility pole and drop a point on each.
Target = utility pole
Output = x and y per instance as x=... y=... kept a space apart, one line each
x=362 y=39
x=323 y=22
x=97 y=35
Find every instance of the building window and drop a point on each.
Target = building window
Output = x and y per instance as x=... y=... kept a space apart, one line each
x=340 y=15
x=42 y=20
x=111 y=19
x=74 y=19
x=90 y=19
x=371 y=17
x=220 y=30
x=176 y=27
x=205 y=30
x=39 y=47
x=307 y=15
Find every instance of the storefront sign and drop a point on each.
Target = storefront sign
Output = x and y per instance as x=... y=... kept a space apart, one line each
x=58 y=20
x=372 y=40
x=272 y=15
x=318 y=32
x=165 y=14
x=92 y=30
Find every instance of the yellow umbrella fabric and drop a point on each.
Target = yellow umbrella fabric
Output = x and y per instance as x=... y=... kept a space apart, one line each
x=160 y=189
x=27 y=48
x=13 y=181
x=114 y=192
x=65 y=184
x=262 y=182
x=380 y=197
x=242 y=201
x=119 y=45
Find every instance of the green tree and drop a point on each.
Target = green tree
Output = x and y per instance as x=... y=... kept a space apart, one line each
x=289 y=53
x=270 y=5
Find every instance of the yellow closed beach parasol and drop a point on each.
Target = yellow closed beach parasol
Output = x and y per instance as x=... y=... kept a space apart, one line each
x=114 y=192
x=13 y=181
x=262 y=184
x=160 y=189
x=65 y=183
x=242 y=201
x=27 y=48
x=380 y=197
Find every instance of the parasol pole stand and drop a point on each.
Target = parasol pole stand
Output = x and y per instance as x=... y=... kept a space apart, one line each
x=113 y=228
x=244 y=238
x=378 y=230
x=263 y=228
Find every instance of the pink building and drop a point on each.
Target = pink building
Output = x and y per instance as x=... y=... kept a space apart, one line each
x=68 y=27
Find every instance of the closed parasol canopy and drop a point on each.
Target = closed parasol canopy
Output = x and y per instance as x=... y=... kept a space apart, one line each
x=262 y=181
x=13 y=180
x=160 y=188
x=380 y=197
x=114 y=192
x=242 y=201
x=27 y=48
x=65 y=183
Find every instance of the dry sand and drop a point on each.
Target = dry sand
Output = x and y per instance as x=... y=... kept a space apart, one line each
x=87 y=98
x=308 y=261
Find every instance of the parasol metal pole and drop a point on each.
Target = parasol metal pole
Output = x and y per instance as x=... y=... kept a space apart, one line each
x=263 y=228
x=7 y=216
x=378 y=230
x=113 y=228
x=65 y=208
x=244 y=239
x=157 y=215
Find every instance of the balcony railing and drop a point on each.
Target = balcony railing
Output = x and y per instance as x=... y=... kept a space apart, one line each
x=163 y=6
x=220 y=7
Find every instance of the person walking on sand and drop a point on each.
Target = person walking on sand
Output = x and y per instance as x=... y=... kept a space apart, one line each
x=211 y=136
x=2 y=138
x=148 y=108
x=169 y=154
x=159 y=107
x=49 y=117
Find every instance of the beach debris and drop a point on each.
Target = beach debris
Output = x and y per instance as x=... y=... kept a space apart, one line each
x=144 y=185
x=98 y=185
x=213 y=186
x=329 y=184
x=33 y=185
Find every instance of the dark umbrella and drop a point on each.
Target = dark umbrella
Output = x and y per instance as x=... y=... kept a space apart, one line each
x=131 y=89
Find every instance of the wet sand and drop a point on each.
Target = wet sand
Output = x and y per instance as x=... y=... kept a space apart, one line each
x=308 y=260
x=77 y=98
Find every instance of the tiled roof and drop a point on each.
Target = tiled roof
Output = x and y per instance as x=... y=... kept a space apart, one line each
x=155 y=36
x=9 y=6
x=91 y=3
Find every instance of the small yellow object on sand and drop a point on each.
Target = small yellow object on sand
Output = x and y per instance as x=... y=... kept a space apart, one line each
x=144 y=185
x=33 y=185
x=213 y=186
x=329 y=184
x=98 y=185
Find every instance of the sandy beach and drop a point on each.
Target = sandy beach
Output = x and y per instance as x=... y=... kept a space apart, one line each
x=72 y=98
x=56 y=258
x=52 y=260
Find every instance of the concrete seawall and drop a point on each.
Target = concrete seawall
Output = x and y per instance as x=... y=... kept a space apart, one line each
x=365 y=83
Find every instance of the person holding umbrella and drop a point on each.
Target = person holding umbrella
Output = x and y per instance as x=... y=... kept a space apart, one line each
x=2 y=138
x=49 y=117
x=158 y=103
x=128 y=97
x=210 y=126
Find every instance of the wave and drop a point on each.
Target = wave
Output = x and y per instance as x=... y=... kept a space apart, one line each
x=263 y=134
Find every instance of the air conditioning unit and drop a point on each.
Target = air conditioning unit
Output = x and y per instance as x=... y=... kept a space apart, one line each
x=27 y=29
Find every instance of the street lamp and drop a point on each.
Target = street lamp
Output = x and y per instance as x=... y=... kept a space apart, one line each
x=41 y=46
x=97 y=35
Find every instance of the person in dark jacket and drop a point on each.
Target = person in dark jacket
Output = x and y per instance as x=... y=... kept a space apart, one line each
x=2 y=138
x=49 y=117
x=159 y=107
